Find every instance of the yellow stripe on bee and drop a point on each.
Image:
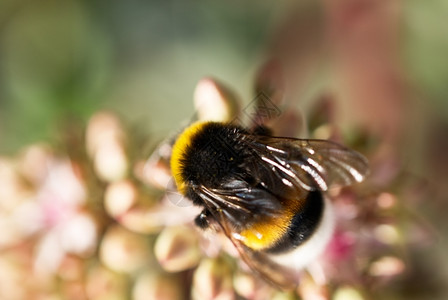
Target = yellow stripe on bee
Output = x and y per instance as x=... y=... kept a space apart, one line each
x=178 y=152
x=268 y=232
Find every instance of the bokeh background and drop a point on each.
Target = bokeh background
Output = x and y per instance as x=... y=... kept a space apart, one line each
x=370 y=73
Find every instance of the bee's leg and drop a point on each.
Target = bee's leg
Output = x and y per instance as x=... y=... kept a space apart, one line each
x=202 y=220
x=262 y=130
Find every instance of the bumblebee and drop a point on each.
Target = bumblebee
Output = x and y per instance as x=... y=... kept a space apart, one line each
x=264 y=192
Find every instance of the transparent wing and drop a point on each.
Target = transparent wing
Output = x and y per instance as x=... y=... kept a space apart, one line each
x=260 y=262
x=240 y=203
x=230 y=206
x=306 y=165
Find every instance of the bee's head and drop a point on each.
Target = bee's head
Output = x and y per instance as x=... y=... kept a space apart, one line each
x=206 y=153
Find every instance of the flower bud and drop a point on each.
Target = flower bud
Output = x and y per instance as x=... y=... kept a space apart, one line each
x=103 y=127
x=387 y=234
x=104 y=284
x=124 y=251
x=119 y=197
x=156 y=172
x=104 y=143
x=153 y=286
x=34 y=163
x=347 y=293
x=387 y=266
x=110 y=161
x=214 y=101
x=250 y=286
x=309 y=289
x=212 y=280
x=177 y=248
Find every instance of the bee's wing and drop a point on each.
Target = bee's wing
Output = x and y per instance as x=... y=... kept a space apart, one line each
x=240 y=203
x=307 y=165
x=278 y=275
x=237 y=207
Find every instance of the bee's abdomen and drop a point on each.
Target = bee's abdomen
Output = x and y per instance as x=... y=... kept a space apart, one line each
x=303 y=224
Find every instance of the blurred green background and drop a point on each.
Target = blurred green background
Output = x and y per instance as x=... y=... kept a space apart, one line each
x=140 y=58
x=143 y=58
